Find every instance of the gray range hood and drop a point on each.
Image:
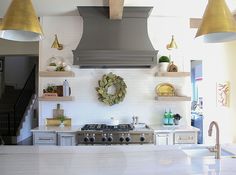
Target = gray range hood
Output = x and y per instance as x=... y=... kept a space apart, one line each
x=109 y=43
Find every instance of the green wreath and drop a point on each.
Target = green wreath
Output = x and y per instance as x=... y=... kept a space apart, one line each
x=107 y=81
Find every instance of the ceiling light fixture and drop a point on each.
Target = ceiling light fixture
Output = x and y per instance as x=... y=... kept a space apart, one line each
x=172 y=44
x=20 y=22
x=56 y=44
x=218 y=24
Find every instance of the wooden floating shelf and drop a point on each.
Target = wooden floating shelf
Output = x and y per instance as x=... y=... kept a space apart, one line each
x=56 y=74
x=67 y=98
x=172 y=74
x=172 y=98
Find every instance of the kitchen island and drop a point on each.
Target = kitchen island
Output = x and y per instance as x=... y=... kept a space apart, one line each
x=110 y=160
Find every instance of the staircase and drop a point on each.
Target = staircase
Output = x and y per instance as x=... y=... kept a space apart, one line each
x=28 y=122
x=7 y=102
x=14 y=107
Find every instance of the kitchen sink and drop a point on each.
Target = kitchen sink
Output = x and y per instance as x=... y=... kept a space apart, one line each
x=204 y=152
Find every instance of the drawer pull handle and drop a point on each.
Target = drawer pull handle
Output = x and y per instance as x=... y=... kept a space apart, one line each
x=40 y=138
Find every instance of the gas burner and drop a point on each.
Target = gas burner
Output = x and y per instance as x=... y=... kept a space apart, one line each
x=96 y=127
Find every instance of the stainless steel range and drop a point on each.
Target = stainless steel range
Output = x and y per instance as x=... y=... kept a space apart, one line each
x=114 y=134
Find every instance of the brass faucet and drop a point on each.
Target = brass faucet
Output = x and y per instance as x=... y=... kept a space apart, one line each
x=217 y=146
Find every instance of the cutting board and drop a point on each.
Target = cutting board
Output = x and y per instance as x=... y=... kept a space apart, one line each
x=57 y=112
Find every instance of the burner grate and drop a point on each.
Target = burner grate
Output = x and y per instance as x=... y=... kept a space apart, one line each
x=104 y=127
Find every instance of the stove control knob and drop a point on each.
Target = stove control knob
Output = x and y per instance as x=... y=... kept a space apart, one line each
x=110 y=138
x=128 y=138
x=122 y=139
x=92 y=139
x=142 y=138
x=86 y=139
x=104 y=138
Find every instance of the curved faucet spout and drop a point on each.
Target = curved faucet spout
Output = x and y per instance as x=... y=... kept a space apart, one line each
x=217 y=145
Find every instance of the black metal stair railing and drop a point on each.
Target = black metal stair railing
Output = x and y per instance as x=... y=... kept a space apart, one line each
x=23 y=99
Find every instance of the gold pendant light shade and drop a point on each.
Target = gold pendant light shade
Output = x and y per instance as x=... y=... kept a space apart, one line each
x=218 y=24
x=20 y=22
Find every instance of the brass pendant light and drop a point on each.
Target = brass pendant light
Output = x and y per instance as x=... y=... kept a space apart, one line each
x=172 y=44
x=20 y=22
x=56 y=44
x=218 y=24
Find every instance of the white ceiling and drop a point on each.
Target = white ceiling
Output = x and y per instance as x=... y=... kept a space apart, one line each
x=183 y=8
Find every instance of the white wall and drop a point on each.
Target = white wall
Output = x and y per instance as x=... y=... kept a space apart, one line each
x=218 y=65
x=17 y=70
x=141 y=82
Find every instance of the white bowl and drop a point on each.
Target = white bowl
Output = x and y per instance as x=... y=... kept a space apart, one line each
x=140 y=125
x=113 y=122
x=51 y=68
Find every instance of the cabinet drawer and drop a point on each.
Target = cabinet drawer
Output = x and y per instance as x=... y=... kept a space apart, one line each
x=45 y=138
x=185 y=138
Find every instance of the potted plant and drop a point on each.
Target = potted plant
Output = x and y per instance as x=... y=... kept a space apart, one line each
x=164 y=62
x=177 y=118
x=62 y=118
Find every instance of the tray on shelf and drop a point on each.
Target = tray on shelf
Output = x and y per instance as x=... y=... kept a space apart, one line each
x=56 y=122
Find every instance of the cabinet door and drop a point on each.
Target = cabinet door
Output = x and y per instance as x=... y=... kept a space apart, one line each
x=164 y=139
x=185 y=138
x=66 y=139
x=44 y=138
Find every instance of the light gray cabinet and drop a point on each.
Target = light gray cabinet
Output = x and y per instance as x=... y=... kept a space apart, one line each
x=54 y=138
x=185 y=138
x=66 y=139
x=44 y=138
x=163 y=138
x=175 y=137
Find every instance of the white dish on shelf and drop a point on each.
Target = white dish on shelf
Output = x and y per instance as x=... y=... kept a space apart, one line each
x=139 y=125
x=51 y=68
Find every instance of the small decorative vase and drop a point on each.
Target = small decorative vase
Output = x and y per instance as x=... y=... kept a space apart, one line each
x=163 y=66
x=172 y=67
x=62 y=125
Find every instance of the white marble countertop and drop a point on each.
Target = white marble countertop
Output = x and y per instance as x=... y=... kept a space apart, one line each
x=156 y=128
x=174 y=128
x=57 y=129
x=109 y=160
